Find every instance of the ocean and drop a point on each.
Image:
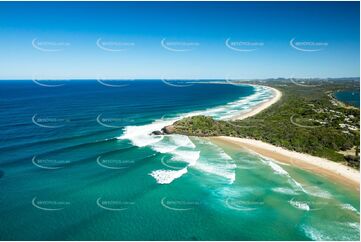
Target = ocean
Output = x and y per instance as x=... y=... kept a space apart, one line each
x=351 y=97
x=77 y=162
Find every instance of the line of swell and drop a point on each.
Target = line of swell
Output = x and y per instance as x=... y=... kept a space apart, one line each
x=51 y=141
x=93 y=158
x=79 y=146
x=69 y=148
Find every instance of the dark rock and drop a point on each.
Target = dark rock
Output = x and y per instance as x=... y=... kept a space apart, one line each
x=168 y=129
x=157 y=132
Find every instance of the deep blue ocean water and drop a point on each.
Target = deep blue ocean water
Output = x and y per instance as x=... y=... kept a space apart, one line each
x=351 y=97
x=77 y=163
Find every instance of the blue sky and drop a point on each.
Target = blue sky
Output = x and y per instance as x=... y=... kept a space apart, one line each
x=179 y=40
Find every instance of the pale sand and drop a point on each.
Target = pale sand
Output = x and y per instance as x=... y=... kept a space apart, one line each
x=321 y=166
x=330 y=169
x=260 y=107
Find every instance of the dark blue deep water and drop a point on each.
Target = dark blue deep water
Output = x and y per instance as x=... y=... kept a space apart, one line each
x=351 y=97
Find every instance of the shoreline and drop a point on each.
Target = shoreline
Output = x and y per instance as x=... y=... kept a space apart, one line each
x=331 y=169
x=342 y=104
x=261 y=106
x=321 y=166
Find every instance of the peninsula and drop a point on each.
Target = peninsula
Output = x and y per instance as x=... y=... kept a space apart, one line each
x=301 y=125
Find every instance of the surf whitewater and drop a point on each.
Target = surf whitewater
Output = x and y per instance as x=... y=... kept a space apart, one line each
x=101 y=162
x=182 y=149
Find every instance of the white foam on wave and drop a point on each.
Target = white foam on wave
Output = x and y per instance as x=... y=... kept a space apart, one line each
x=233 y=108
x=182 y=140
x=218 y=171
x=189 y=157
x=300 y=205
x=167 y=176
x=298 y=185
x=348 y=206
x=336 y=231
x=314 y=234
x=317 y=192
x=171 y=143
x=279 y=170
x=216 y=162
x=285 y=190
x=161 y=148
x=140 y=135
x=350 y=231
x=353 y=225
x=181 y=147
x=224 y=155
x=310 y=190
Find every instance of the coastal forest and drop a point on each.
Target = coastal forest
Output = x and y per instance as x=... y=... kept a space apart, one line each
x=308 y=119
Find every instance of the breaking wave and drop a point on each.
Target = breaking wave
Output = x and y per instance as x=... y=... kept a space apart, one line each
x=182 y=149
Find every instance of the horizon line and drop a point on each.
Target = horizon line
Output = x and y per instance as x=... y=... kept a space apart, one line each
x=172 y=79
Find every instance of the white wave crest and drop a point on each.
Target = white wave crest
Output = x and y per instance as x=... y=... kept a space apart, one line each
x=300 y=205
x=189 y=157
x=217 y=170
x=167 y=176
x=349 y=231
x=314 y=234
x=181 y=147
x=279 y=170
x=317 y=192
x=285 y=190
x=216 y=162
x=348 y=206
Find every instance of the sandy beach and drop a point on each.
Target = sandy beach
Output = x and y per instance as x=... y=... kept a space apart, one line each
x=322 y=166
x=260 y=107
x=330 y=169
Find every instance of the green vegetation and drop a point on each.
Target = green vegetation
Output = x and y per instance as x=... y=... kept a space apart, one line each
x=306 y=119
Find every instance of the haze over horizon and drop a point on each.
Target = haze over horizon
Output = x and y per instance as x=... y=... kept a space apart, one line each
x=179 y=40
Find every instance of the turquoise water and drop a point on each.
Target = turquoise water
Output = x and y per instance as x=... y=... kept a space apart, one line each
x=351 y=97
x=77 y=163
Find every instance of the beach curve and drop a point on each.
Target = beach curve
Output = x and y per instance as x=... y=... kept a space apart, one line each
x=340 y=172
x=277 y=95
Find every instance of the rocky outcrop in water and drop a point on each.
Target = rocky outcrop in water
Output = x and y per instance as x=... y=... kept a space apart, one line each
x=156 y=132
x=170 y=129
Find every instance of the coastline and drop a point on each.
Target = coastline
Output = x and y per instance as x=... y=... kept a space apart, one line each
x=321 y=166
x=336 y=171
x=337 y=102
x=260 y=107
